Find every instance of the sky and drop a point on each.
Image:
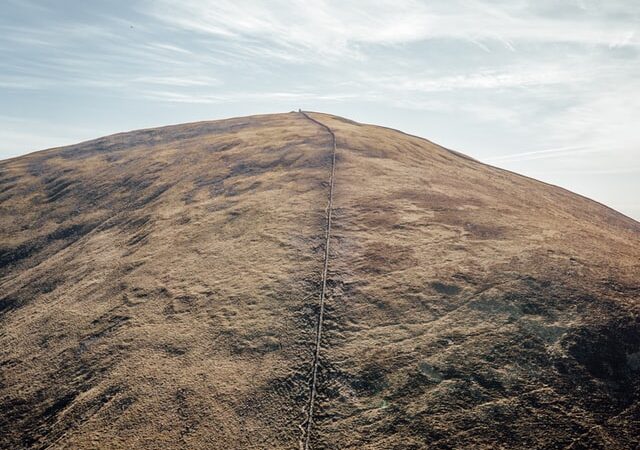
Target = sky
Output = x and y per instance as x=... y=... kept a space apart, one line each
x=545 y=88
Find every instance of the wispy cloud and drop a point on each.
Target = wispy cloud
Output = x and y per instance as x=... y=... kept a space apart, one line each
x=176 y=97
x=23 y=82
x=331 y=27
x=543 y=154
x=609 y=171
x=193 y=80
x=603 y=118
x=508 y=77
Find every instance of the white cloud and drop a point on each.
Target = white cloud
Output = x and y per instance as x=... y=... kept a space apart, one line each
x=604 y=118
x=542 y=154
x=331 y=27
x=231 y=97
x=508 y=77
x=184 y=81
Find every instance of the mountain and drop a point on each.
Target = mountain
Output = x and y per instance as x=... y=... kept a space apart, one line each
x=304 y=281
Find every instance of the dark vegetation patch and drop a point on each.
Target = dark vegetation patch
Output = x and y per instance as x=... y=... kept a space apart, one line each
x=277 y=158
x=608 y=353
x=37 y=167
x=39 y=417
x=214 y=185
x=483 y=231
x=527 y=296
x=446 y=289
x=241 y=188
x=472 y=222
x=370 y=380
x=173 y=350
x=381 y=217
x=16 y=300
x=7 y=183
x=293 y=385
x=622 y=288
x=58 y=188
x=133 y=184
x=136 y=223
x=334 y=383
x=105 y=326
x=112 y=158
x=149 y=198
x=380 y=258
x=59 y=405
x=436 y=201
x=370 y=152
x=140 y=238
x=256 y=343
x=13 y=255
x=6 y=179
x=224 y=146
x=184 y=403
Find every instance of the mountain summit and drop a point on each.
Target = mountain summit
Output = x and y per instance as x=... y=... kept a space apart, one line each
x=304 y=281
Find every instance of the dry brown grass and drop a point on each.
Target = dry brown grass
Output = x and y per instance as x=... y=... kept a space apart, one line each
x=160 y=289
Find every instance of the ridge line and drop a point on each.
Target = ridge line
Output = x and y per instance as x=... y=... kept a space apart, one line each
x=307 y=423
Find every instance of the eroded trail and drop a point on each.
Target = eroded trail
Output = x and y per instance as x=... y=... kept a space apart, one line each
x=308 y=422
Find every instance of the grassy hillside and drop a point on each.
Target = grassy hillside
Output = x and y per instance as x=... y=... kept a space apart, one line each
x=161 y=289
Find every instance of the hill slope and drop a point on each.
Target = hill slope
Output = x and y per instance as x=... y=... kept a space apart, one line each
x=162 y=289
